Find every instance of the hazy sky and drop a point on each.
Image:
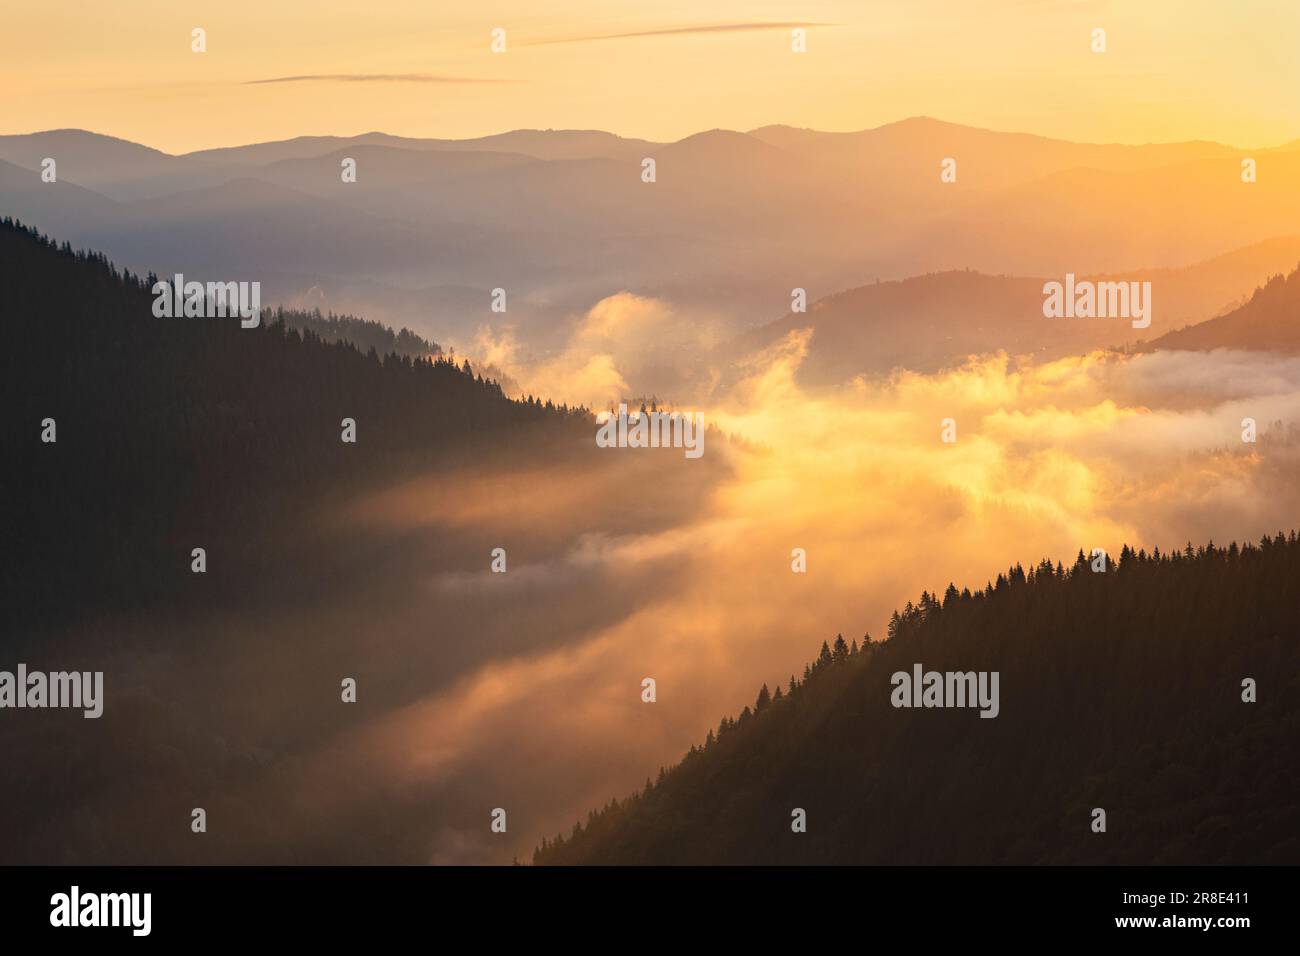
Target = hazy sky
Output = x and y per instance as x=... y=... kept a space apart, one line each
x=1174 y=69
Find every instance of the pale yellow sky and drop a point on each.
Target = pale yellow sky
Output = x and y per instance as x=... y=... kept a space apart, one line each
x=1173 y=69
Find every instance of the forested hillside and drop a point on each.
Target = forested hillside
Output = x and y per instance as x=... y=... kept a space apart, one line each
x=1120 y=690
x=365 y=334
x=173 y=432
x=1269 y=321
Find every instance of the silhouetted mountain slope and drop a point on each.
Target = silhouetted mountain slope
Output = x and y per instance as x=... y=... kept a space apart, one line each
x=730 y=224
x=925 y=323
x=1156 y=216
x=173 y=432
x=116 y=167
x=1119 y=690
x=363 y=333
x=535 y=143
x=1270 y=321
x=928 y=322
x=872 y=150
x=61 y=203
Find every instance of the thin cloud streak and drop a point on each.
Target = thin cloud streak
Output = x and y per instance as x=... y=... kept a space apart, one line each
x=372 y=78
x=676 y=31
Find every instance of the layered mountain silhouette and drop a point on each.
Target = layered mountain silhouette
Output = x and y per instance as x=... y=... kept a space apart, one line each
x=132 y=440
x=1270 y=321
x=732 y=222
x=538 y=144
x=175 y=429
x=326 y=558
x=935 y=321
x=1120 y=691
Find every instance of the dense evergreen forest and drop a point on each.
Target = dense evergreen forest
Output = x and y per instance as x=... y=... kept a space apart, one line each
x=172 y=432
x=1120 y=690
x=365 y=334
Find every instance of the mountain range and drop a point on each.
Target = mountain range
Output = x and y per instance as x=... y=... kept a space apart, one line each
x=561 y=218
x=935 y=321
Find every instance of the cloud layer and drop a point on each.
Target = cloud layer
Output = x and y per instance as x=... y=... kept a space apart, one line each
x=522 y=690
x=1088 y=452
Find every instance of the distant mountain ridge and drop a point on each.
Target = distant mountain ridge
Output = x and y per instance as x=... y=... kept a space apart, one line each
x=929 y=322
x=1269 y=321
x=730 y=224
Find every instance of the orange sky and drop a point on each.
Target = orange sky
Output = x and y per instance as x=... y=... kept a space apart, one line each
x=1174 y=69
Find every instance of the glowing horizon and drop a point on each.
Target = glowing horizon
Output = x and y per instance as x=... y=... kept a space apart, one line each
x=1172 y=72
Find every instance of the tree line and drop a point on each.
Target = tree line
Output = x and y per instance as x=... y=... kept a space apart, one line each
x=170 y=433
x=1121 y=690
